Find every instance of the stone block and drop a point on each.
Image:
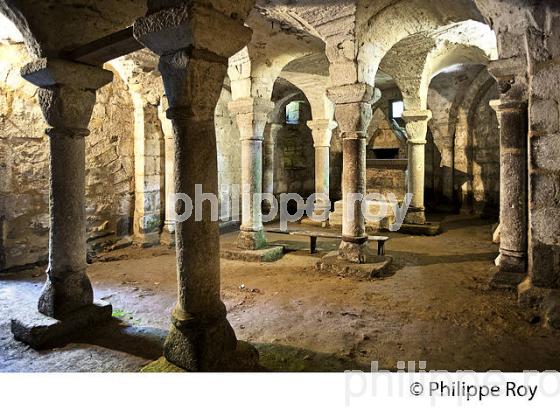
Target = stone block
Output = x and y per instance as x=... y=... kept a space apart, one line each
x=375 y=267
x=506 y=280
x=268 y=254
x=38 y=330
x=545 y=190
x=545 y=116
x=545 y=152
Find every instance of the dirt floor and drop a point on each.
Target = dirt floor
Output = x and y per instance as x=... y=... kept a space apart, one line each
x=436 y=308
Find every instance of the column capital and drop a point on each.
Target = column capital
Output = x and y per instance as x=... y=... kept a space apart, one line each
x=354 y=93
x=322 y=132
x=503 y=106
x=417 y=125
x=251 y=115
x=321 y=125
x=506 y=68
x=416 y=115
x=49 y=72
x=251 y=105
x=197 y=24
x=66 y=93
x=511 y=75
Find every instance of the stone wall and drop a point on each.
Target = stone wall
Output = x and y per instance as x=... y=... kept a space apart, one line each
x=486 y=157
x=387 y=176
x=24 y=166
x=544 y=151
x=447 y=91
x=380 y=133
x=295 y=157
x=229 y=153
x=462 y=153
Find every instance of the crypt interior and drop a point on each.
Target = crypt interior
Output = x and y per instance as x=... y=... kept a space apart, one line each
x=109 y=108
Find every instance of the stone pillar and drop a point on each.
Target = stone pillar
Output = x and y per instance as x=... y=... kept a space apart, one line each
x=148 y=180
x=271 y=131
x=353 y=114
x=251 y=115
x=512 y=261
x=193 y=64
x=447 y=160
x=416 y=128
x=512 y=116
x=322 y=133
x=67 y=96
x=168 y=233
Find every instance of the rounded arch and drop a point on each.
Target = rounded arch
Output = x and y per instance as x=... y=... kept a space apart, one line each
x=378 y=33
x=254 y=70
x=427 y=55
x=18 y=19
x=310 y=74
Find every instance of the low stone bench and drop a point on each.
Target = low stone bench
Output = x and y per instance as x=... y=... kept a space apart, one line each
x=314 y=235
x=380 y=243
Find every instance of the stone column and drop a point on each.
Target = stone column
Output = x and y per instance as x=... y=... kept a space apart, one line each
x=193 y=64
x=353 y=114
x=512 y=261
x=512 y=116
x=251 y=115
x=447 y=171
x=271 y=131
x=322 y=133
x=148 y=168
x=416 y=128
x=67 y=96
x=168 y=233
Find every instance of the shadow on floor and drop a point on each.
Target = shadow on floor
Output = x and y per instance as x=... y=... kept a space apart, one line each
x=282 y=358
x=420 y=259
x=295 y=246
x=460 y=223
x=141 y=341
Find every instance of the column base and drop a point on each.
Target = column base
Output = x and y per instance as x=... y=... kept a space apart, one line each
x=208 y=347
x=506 y=280
x=545 y=302
x=251 y=240
x=509 y=261
x=147 y=240
x=167 y=238
x=245 y=359
x=415 y=216
x=38 y=330
x=354 y=252
x=267 y=254
x=373 y=267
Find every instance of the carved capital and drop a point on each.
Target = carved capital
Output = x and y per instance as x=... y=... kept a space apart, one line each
x=354 y=93
x=417 y=125
x=67 y=93
x=251 y=115
x=321 y=131
x=511 y=75
x=353 y=119
x=202 y=25
x=193 y=82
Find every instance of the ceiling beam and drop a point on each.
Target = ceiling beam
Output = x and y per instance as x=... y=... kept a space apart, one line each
x=106 y=48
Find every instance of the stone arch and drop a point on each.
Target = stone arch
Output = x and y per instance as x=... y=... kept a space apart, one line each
x=254 y=70
x=377 y=33
x=463 y=43
x=20 y=21
x=51 y=30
